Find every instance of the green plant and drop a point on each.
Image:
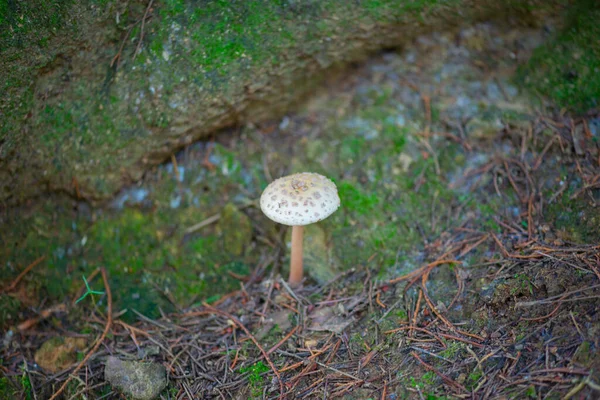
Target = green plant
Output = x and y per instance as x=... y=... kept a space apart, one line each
x=26 y=383
x=255 y=377
x=522 y=285
x=88 y=290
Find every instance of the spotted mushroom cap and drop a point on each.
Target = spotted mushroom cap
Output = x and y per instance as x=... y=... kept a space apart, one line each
x=300 y=199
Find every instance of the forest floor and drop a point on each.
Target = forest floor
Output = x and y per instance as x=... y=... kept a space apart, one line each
x=463 y=263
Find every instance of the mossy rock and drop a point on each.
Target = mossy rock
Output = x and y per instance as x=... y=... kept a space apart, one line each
x=138 y=380
x=94 y=101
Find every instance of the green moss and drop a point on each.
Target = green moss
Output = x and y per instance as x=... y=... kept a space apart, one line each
x=6 y=390
x=584 y=355
x=25 y=25
x=427 y=380
x=61 y=122
x=26 y=386
x=401 y=315
x=224 y=32
x=126 y=241
x=531 y=392
x=574 y=219
x=522 y=285
x=473 y=379
x=567 y=69
x=96 y=120
x=354 y=200
x=25 y=21
x=146 y=269
x=255 y=377
x=9 y=308
x=452 y=350
x=351 y=149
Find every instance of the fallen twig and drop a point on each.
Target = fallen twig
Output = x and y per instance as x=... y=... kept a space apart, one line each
x=14 y=283
x=446 y=379
x=26 y=325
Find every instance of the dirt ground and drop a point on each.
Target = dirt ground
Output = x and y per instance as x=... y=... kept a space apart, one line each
x=463 y=263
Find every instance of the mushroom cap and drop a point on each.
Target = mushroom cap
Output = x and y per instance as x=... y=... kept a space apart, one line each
x=300 y=199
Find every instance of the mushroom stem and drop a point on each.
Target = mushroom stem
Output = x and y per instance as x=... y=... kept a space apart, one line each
x=296 y=261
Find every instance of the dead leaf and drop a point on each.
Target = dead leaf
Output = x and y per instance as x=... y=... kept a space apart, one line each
x=325 y=319
x=281 y=319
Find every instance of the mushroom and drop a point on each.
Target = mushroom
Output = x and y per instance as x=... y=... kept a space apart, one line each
x=298 y=200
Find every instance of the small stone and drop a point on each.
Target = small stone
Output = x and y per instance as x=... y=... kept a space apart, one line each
x=140 y=380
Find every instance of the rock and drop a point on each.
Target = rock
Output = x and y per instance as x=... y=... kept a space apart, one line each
x=184 y=88
x=317 y=257
x=58 y=353
x=140 y=380
x=236 y=230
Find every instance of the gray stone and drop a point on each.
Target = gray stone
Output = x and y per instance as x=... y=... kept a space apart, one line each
x=140 y=380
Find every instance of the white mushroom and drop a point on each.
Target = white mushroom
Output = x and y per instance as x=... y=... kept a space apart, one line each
x=298 y=200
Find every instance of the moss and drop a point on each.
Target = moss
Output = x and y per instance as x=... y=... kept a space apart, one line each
x=473 y=379
x=26 y=386
x=567 y=69
x=48 y=230
x=429 y=378
x=25 y=25
x=531 y=392
x=98 y=120
x=584 y=355
x=355 y=200
x=6 y=389
x=24 y=22
x=255 y=377
x=574 y=219
x=452 y=350
x=9 y=308
x=426 y=381
x=401 y=315
x=521 y=285
x=146 y=268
